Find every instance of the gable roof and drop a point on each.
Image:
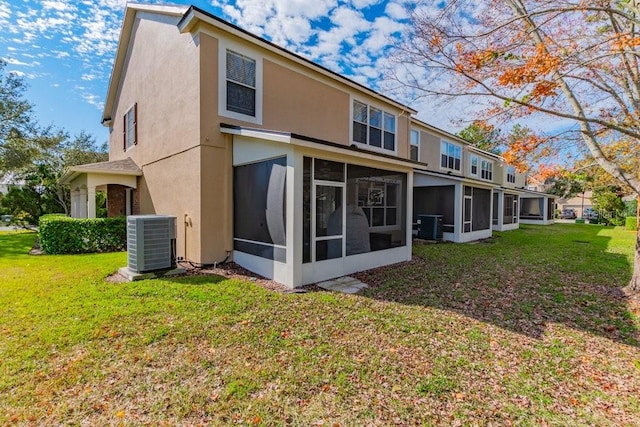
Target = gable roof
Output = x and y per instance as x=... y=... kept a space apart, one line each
x=189 y=17
x=115 y=167
x=123 y=45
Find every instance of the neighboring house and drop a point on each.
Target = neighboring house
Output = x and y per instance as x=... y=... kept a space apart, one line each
x=474 y=191
x=7 y=182
x=579 y=203
x=297 y=173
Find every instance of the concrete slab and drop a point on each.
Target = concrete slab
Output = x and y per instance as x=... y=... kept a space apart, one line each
x=346 y=284
x=133 y=276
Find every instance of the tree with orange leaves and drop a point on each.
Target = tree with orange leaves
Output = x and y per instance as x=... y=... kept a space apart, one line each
x=576 y=61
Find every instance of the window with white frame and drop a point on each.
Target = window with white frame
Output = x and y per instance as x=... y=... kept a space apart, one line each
x=241 y=84
x=474 y=165
x=511 y=174
x=130 y=129
x=414 y=148
x=450 y=156
x=373 y=127
x=486 y=170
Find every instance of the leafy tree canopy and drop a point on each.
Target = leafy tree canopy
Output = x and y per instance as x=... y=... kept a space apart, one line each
x=483 y=135
x=35 y=155
x=22 y=141
x=572 y=61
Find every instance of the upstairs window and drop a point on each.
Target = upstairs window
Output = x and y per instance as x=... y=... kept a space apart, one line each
x=487 y=170
x=373 y=127
x=241 y=84
x=130 y=129
x=474 y=165
x=511 y=174
x=450 y=156
x=414 y=148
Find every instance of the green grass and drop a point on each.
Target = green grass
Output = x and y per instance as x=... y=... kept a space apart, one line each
x=528 y=329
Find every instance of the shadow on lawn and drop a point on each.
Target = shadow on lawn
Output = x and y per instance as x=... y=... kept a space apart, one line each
x=15 y=243
x=517 y=286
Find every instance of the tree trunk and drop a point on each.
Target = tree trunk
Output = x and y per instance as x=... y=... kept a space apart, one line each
x=634 y=285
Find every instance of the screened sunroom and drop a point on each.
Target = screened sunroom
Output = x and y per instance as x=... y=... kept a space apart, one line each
x=306 y=212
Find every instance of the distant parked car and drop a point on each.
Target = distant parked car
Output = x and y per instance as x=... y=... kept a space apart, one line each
x=6 y=218
x=589 y=213
x=568 y=214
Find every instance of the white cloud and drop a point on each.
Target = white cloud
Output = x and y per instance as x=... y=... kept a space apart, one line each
x=57 y=5
x=94 y=100
x=30 y=76
x=363 y=4
x=396 y=11
x=334 y=34
x=5 y=13
x=14 y=61
x=285 y=22
x=60 y=54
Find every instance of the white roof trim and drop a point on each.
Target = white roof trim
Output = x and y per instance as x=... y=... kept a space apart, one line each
x=536 y=193
x=287 y=138
x=251 y=133
x=461 y=179
x=354 y=153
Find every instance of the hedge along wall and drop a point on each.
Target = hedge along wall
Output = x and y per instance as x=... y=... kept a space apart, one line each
x=632 y=223
x=60 y=234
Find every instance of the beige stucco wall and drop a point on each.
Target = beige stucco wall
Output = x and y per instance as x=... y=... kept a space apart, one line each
x=216 y=194
x=161 y=75
x=299 y=104
x=430 y=150
x=172 y=187
x=208 y=75
x=296 y=99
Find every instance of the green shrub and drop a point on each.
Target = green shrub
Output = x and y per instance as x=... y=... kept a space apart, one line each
x=631 y=223
x=579 y=221
x=60 y=234
x=616 y=220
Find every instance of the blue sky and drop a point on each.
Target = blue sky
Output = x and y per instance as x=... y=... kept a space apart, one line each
x=64 y=49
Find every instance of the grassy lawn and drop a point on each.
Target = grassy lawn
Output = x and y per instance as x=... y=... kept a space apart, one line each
x=528 y=328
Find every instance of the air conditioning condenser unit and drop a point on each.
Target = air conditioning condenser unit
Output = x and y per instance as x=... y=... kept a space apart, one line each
x=151 y=242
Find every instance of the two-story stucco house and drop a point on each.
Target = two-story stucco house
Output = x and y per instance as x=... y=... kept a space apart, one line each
x=294 y=172
x=266 y=158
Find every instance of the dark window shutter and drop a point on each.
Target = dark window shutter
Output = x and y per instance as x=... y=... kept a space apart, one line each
x=124 y=133
x=135 y=124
